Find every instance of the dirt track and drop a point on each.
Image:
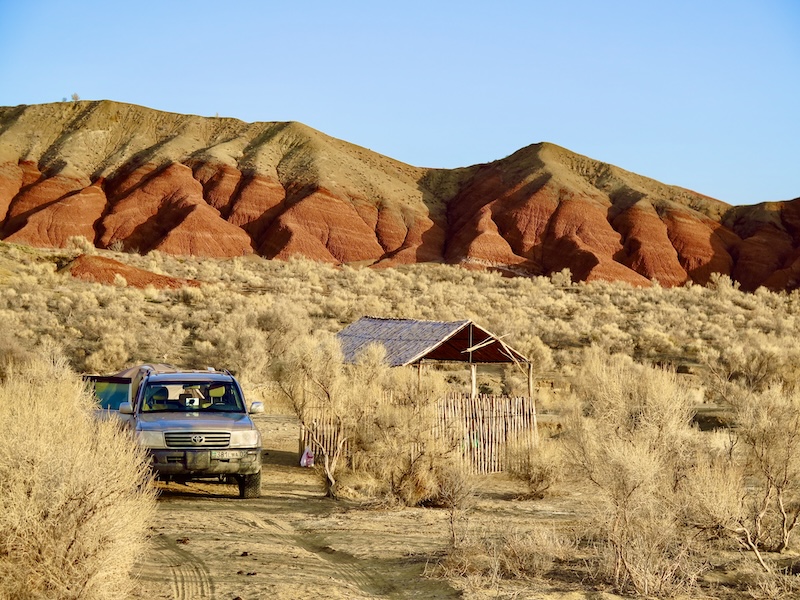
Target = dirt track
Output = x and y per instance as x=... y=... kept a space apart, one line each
x=290 y=543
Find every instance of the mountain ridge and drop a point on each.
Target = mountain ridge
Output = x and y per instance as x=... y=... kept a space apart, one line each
x=138 y=179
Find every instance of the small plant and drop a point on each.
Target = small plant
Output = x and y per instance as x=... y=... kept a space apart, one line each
x=540 y=467
x=494 y=553
x=457 y=491
x=80 y=244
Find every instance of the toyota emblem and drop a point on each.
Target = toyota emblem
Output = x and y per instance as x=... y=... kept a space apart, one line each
x=197 y=439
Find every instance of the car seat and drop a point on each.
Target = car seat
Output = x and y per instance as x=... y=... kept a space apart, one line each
x=220 y=397
x=157 y=400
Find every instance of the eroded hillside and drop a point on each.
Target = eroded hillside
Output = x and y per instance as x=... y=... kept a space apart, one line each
x=132 y=178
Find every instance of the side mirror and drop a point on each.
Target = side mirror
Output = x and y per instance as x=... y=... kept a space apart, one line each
x=126 y=408
x=256 y=407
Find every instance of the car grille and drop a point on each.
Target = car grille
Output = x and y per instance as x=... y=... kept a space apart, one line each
x=197 y=439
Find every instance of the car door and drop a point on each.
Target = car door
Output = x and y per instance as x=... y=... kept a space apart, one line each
x=110 y=391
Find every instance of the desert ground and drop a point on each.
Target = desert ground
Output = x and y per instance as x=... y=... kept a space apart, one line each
x=290 y=543
x=293 y=543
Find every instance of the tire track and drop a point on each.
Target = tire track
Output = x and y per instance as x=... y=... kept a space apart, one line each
x=251 y=520
x=332 y=563
x=392 y=579
x=344 y=567
x=189 y=575
x=379 y=579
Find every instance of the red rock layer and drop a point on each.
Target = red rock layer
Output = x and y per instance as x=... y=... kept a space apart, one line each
x=125 y=177
x=164 y=209
x=100 y=269
x=71 y=215
x=647 y=247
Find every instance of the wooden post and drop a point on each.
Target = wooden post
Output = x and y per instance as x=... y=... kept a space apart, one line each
x=533 y=403
x=303 y=432
x=473 y=370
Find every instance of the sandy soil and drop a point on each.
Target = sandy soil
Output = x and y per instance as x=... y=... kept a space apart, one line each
x=293 y=543
x=290 y=543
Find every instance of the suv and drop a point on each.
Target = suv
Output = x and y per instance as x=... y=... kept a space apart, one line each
x=194 y=424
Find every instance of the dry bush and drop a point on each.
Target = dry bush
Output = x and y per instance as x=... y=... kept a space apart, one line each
x=775 y=586
x=383 y=421
x=79 y=243
x=75 y=495
x=247 y=340
x=645 y=549
x=750 y=491
x=457 y=494
x=768 y=425
x=403 y=448
x=495 y=552
x=403 y=443
x=534 y=553
x=540 y=467
x=314 y=378
x=13 y=357
x=634 y=443
x=167 y=324
x=752 y=364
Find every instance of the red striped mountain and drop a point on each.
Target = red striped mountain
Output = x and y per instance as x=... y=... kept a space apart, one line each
x=137 y=179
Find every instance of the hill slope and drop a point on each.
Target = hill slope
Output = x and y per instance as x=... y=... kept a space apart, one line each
x=129 y=177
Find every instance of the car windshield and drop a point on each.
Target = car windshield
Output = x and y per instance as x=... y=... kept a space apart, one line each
x=191 y=396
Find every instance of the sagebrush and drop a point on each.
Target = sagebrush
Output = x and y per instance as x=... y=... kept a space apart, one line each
x=75 y=493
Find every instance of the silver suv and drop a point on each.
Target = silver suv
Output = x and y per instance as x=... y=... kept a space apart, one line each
x=194 y=424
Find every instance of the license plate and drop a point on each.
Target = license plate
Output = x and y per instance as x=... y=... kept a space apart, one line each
x=227 y=453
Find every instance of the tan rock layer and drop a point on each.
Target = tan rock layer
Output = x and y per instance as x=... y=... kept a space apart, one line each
x=131 y=178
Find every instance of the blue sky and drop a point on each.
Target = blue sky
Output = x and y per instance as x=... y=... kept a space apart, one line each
x=704 y=94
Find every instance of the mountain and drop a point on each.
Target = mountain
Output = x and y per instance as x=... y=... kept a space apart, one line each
x=136 y=179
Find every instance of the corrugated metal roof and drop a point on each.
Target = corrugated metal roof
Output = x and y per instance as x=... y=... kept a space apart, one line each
x=408 y=341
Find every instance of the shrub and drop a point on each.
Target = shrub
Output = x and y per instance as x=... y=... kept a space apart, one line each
x=749 y=492
x=12 y=357
x=632 y=443
x=403 y=444
x=457 y=492
x=79 y=243
x=319 y=386
x=490 y=554
x=75 y=497
x=540 y=467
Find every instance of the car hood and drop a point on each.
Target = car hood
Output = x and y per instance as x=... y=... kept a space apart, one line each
x=194 y=421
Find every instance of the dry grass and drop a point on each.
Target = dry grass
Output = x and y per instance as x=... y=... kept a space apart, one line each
x=634 y=443
x=495 y=552
x=540 y=467
x=75 y=498
x=632 y=435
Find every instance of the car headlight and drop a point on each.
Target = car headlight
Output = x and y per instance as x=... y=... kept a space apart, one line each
x=150 y=439
x=245 y=439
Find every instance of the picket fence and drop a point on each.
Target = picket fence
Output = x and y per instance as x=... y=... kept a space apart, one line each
x=486 y=431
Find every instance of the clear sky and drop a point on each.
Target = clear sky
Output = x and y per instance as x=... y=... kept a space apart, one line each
x=704 y=94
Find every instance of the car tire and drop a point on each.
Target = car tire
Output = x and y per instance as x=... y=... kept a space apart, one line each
x=250 y=486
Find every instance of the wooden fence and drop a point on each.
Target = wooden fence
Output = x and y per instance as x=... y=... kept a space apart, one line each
x=486 y=432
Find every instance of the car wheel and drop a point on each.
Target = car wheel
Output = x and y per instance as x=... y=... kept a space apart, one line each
x=250 y=485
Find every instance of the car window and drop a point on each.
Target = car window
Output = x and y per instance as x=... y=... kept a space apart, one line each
x=191 y=396
x=110 y=391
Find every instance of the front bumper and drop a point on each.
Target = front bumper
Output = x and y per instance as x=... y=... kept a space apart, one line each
x=202 y=463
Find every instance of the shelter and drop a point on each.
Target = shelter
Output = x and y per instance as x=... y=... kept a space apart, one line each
x=412 y=342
